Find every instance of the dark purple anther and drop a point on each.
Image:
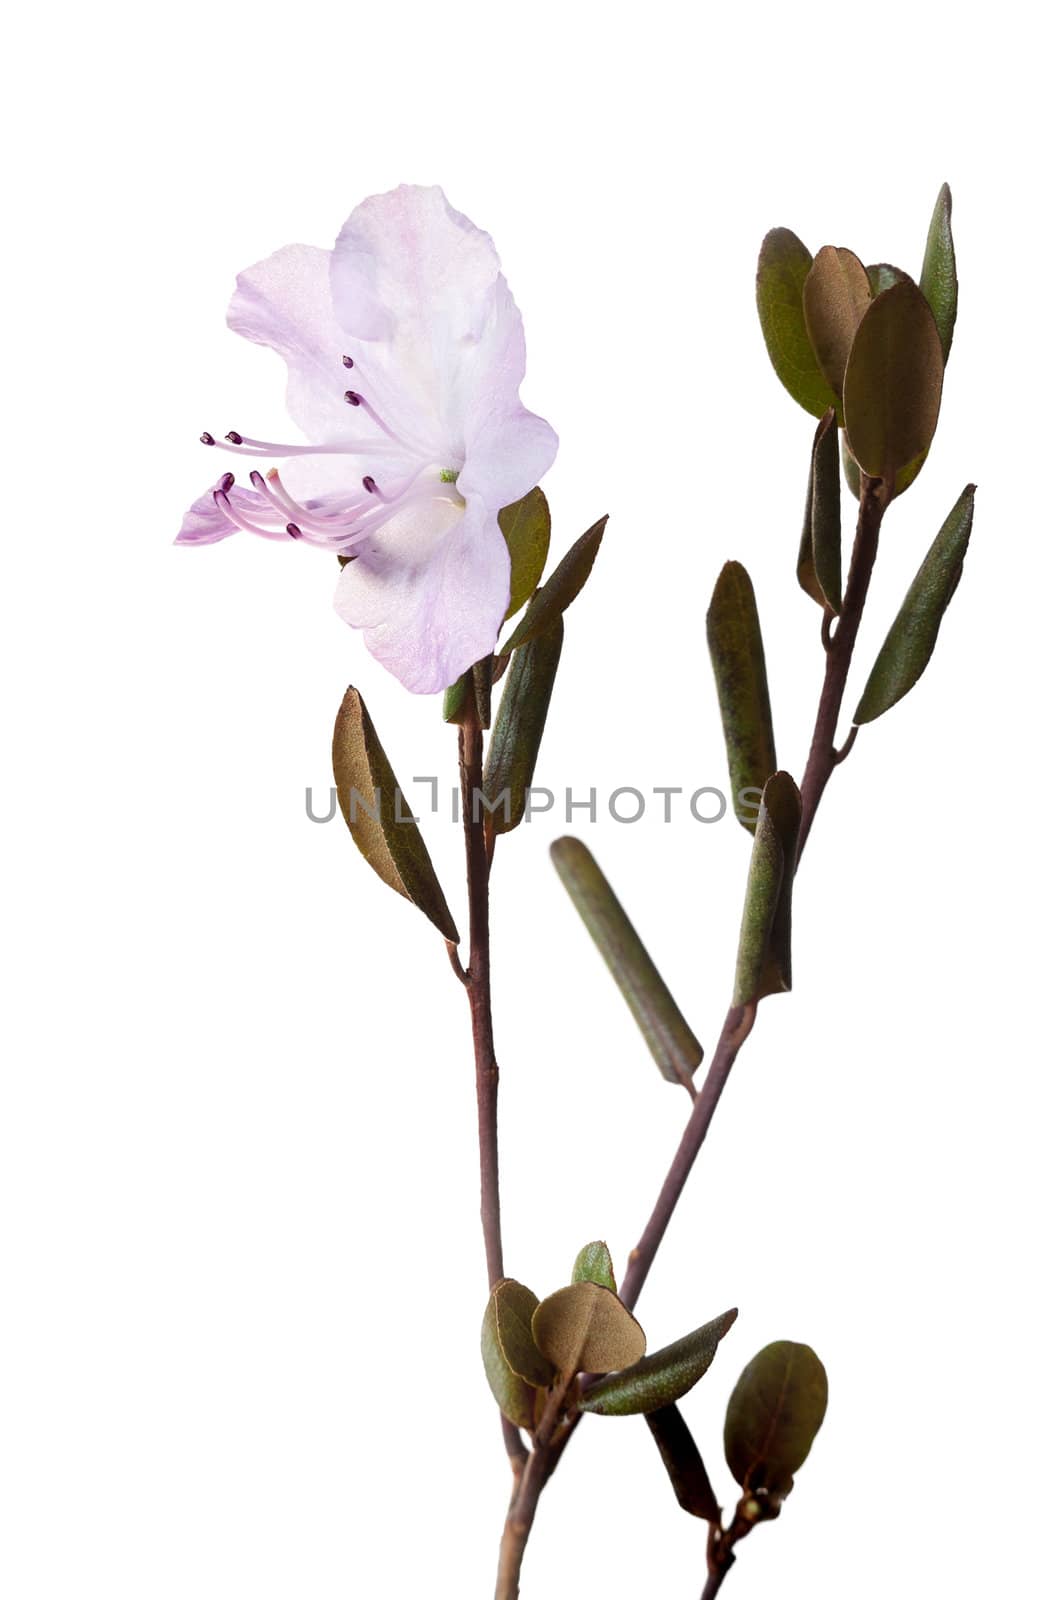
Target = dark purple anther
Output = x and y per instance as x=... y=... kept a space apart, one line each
x=294 y=531
x=235 y=438
x=369 y=485
x=206 y=438
x=227 y=482
x=347 y=361
x=352 y=398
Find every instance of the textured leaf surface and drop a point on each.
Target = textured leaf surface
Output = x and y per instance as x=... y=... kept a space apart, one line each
x=782 y=269
x=515 y=1398
x=938 y=276
x=594 y=1264
x=526 y=528
x=560 y=589
x=519 y=725
x=662 y=1378
x=820 y=551
x=835 y=296
x=585 y=1328
x=763 y=966
x=774 y=1415
x=738 y=656
x=893 y=382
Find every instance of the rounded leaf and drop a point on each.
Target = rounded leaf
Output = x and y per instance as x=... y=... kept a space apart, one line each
x=774 y=1415
x=782 y=269
x=835 y=296
x=586 y=1328
x=514 y=1397
x=893 y=384
x=594 y=1264
x=513 y=1307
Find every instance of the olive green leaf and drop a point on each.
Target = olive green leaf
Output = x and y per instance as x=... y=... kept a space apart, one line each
x=381 y=823
x=684 y=1464
x=902 y=480
x=668 y=1036
x=763 y=966
x=585 y=1328
x=938 y=276
x=883 y=276
x=659 y=1379
x=526 y=528
x=835 y=296
x=738 y=656
x=893 y=382
x=560 y=589
x=519 y=725
x=820 y=551
x=782 y=269
x=513 y=1307
x=910 y=643
x=594 y=1264
x=774 y=1415
x=515 y=1398
x=472 y=689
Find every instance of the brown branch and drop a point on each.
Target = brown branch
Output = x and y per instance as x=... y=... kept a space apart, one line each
x=823 y=758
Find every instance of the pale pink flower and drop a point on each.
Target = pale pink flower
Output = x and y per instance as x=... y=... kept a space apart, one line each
x=405 y=357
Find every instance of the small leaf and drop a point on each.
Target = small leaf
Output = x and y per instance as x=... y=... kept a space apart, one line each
x=381 y=823
x=774 y=1415
x=519 y=725
x=910 y=643
x=883 y=276
x=782 y=269
x=659 y=1379
x=668 y=1036
x=513 y=1307
x=472 y=688
x=764 y=961
x=684 y=1464
x=514 y=1397
x=526 y=528
x=893 y=382
x=820 y=552
x=938 y=276
x=738 y=657
x=594 y=1264
x=835 y=296
x=560 y=589
x=585 y=1328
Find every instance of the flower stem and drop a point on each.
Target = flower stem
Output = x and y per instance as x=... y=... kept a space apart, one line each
x=738 y=1023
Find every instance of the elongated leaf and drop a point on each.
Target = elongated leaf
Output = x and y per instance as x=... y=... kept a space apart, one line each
x=820 y=552
x=526 y=528
x=782 y=269
x=883 y=276
x=594 y=1264
x=515 y=1398
x=381 y=823
x=513 y=1307
x=738 y=656
x=938 y=276
x=893 y=382
x=910 y=643
x=774 y=1415
x=835 y=296
x=560 y=589
x=668 y=1036
x=585 y=1328
x=519 y=725
x=659 y=1379
x=684 y=1464
x=763 y=966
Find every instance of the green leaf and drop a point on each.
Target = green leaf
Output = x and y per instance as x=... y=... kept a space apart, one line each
x=381 y=823
x=782 y=269
x=519 y=725
x=473 y=687
x=585 y=1328
x=515 y=1398
x=883 y=276
x=668 y=1036
x=738 y=656
x=820 y=552
x=526 y=528
x=684 y=1464
x=773 y=1417
x=594 y=1264
x=513 y=1307
x=835 y=296
x=763 y=966
x=893 y=382
x=910 y=643
x=659 y=1379
x=938 y=276
x=560 y=589
x=902 y=480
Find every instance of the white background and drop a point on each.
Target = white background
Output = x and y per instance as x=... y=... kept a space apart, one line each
x=241 y=1265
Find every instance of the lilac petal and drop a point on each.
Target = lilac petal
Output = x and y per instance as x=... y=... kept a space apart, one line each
x=507 y=457
x=285 y=303
x=430 y=589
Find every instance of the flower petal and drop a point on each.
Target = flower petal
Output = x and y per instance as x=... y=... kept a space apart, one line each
x=285 y=303
x=206 y=523
x=430 y=589
x=506 y=457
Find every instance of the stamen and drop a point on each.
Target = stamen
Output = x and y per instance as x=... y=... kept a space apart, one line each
x=241 y=443
x=207 y=438
x=235 y=438
x=347 y=361
x=293 y=531
x=238 y=518
x=355 y=397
